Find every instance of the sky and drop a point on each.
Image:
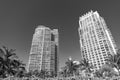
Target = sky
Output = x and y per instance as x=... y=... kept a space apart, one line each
x=19 y=18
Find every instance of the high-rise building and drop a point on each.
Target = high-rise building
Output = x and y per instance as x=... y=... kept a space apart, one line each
x=96 y=41
x=44 y=50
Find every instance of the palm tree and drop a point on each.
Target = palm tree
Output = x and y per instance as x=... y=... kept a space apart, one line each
x=9 y=64
x=20 y=70
x=29 y=74
x=5 y=62
x=84 y=64
x=43 y=74
x=98 y=74
x=36 y=73
x=71 y=67
x=114 y=61
x=52 y=74
x=64 y=72
x=107 y=71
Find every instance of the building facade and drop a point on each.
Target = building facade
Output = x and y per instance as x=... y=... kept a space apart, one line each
x=96 y=41
x=44 y=50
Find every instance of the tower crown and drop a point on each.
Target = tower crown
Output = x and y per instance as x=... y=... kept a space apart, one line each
x=88 y=14
x=42 y=27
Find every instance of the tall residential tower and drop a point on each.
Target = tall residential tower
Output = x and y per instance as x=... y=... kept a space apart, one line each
x=44 y=50
x=96 y=41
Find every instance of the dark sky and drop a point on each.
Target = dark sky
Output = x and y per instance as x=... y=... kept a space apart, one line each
x=19 y=18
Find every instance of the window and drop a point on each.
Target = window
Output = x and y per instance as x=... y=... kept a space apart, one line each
x=52 y=37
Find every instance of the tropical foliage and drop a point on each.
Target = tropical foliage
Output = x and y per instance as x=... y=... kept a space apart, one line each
x=114 y=61
x=85 y=65
x=112 y=66
x=106 y=71
x=73 y=69
x=63 y=72
x=40 y=74
x=70 y=68
x=10 y=65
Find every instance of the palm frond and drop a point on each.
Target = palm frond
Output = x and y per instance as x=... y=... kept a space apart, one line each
x=1 y=51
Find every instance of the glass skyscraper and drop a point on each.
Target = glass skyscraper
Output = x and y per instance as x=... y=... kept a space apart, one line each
x=44 y=50
x=96 y=41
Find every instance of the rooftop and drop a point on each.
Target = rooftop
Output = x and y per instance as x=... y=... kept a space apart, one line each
x=42 y=27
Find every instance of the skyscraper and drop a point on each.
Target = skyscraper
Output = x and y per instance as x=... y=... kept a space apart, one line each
x=44 y=50
x=96 y=41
